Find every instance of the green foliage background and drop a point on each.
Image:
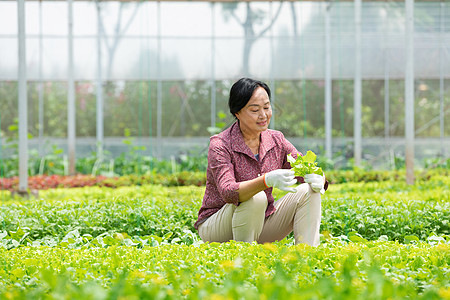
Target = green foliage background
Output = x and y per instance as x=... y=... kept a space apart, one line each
x=186 y=107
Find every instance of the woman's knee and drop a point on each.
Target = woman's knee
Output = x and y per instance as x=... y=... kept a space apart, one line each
x=257 y=203
x=304 y=191
x=304 y=188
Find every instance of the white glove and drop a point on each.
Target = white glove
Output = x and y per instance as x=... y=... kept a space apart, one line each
x=316 y=182
x=281 y=179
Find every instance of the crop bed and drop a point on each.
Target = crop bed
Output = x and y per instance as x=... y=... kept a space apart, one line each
x=379 y=240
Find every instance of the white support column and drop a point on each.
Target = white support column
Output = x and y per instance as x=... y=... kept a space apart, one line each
x=357 y=136
x=387 y=102
x=328 y=84
x=41 y=85
x=159 y=85
x=441 y=79
x=271 y=79
x=71 y=109
x=23 y=105
x=386 y=85
x=99 y=110
x=409 y=91
x=213 y=66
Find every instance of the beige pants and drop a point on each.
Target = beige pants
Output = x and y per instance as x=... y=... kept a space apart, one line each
x=300 y=212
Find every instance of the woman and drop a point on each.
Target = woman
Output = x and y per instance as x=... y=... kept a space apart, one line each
x=245 y=162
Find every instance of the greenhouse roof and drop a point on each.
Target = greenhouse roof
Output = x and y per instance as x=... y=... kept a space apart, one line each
x=209 y=43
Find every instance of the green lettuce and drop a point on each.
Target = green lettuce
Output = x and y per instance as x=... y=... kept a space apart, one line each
x=305 y=164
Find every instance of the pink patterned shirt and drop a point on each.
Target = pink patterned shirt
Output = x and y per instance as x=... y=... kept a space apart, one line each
x=231 y=161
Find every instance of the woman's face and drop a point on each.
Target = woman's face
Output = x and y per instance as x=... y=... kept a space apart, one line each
x=255 y=116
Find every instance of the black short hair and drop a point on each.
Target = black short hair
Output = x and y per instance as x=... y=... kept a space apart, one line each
x=241 y=92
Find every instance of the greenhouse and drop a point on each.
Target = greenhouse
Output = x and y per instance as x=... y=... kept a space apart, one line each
x=110 y=117
x=160 y=71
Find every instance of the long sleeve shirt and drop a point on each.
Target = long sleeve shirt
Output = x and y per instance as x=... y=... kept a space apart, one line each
x=230 y=161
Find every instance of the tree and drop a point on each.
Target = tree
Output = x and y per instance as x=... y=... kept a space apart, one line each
x=119 y=30
x=253 y=17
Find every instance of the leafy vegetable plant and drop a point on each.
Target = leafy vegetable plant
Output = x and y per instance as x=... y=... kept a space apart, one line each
x=305 y=164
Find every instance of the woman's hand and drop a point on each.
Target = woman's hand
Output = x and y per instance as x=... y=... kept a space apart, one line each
x=316 y=182
x=281 y=179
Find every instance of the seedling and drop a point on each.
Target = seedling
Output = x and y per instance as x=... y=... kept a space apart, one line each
x=304 y=164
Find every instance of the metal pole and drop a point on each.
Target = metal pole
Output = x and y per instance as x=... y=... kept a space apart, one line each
x=41 y=85
x=386 y=84
x=303 y=81
x=149 y=93
x=328 y=84
x=159 y=84
x=387 y=121
x=100 y=133
x=213 y=66
x=441 y=80
x=386 y=99
x=409 y=92
x=271 y=80
x=357 y=86
x=23 y=105
x=70 y=95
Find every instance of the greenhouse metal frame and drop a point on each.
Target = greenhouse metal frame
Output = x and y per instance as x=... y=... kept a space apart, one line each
x=356 y=71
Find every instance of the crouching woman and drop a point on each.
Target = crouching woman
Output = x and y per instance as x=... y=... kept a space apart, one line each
x=245 y=162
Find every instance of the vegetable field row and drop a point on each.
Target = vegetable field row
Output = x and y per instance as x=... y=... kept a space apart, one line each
x=378 y=209
x=379 y=240
x=374 y=270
